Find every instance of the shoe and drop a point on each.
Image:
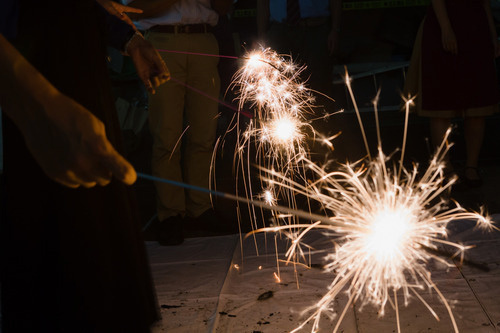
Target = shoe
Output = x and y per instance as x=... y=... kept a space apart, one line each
x=209 y=223
x=472 y=182
x=170 y=231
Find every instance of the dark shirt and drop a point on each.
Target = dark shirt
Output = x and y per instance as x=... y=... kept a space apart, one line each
x=118 y=32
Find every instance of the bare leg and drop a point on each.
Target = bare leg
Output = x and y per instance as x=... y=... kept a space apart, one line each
x=474 y=133
x=439 y=126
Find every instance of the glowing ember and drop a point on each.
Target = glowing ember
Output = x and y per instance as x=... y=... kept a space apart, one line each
x=283 y=131
x=270 y=84
x=387 y=233
x=269 y=198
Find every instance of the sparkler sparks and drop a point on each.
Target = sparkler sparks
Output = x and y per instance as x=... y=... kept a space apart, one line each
x=387 y=224
x=383 y=228
x=284 y=130
x=269 y=197
x=270 y=84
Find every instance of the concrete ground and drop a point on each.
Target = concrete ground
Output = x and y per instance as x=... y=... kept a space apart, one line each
x=221 y=284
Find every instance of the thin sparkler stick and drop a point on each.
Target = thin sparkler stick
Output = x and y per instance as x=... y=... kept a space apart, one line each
x=243 y=112
x=200 y=54
x=303 y=214
x=281 y=209
x=210 y=55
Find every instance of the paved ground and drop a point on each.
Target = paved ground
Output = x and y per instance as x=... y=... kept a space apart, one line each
x=220 y=284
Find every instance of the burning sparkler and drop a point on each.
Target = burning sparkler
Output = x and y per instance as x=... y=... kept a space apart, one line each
x=270 y=84
x=383 y=228
x=387 y=224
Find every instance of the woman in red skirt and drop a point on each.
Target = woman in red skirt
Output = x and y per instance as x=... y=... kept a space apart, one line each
x=454 y=72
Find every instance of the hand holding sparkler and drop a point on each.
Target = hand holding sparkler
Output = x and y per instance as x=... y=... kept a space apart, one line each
x=149 y=65
x=67 y=141
x=70 y=145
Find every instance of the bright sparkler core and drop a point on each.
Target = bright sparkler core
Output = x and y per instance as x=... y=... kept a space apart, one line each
x=389 y=234
x=270 y=84
x=284 y=130
x=255 y=61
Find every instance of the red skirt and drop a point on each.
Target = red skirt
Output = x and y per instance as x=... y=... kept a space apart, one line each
x=450 y=85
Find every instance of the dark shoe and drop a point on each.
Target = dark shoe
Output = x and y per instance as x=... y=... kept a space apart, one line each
x=472 y=182
x=170 y=231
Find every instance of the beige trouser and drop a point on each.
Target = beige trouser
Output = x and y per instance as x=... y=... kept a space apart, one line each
x=175 y=107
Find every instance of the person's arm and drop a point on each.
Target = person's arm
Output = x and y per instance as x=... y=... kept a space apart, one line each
x=67 y=141
x=120 y=11
x=150 y=8
x=333 y=37
x=448 y=37
x=493 y=30
x=150 y=67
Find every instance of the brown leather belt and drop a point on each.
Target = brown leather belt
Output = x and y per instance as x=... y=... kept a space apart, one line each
x=182 y=29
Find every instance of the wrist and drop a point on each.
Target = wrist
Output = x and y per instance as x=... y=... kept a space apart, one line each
x=136 y=39
x=35 y=95
x=446 y=28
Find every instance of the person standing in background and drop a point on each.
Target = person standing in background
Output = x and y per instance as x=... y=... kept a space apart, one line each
x=183 y=122
x=452 y=73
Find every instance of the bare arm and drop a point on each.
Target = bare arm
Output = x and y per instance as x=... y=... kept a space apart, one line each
x=150 y=8
x=119 y=10
x=67 y=141
x=448 y=37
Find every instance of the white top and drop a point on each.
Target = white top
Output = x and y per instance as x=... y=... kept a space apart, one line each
x=181 y=13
